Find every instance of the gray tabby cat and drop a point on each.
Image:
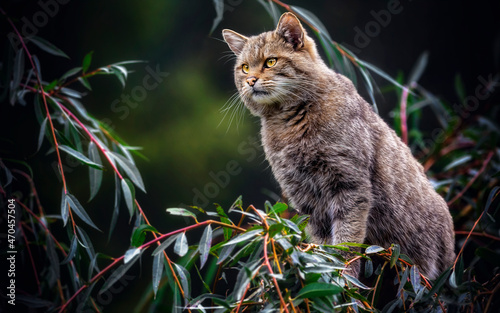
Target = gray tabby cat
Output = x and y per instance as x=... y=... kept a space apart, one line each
x=335 y=159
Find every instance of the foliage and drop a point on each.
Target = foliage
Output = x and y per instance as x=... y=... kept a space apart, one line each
x=261 y=262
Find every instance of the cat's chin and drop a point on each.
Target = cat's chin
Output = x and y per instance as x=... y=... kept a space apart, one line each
x=263 y=98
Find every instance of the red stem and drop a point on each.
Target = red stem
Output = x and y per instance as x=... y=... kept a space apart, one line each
x=32 y=261
x=469 y=184
x=402 y=114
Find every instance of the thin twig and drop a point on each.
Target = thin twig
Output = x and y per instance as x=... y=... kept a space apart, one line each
x=469 y=184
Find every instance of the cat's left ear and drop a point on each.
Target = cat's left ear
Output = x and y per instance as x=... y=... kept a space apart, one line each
x=290 y=28
x=235 y=41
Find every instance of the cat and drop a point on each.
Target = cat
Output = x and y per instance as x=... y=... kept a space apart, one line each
x=334 y=158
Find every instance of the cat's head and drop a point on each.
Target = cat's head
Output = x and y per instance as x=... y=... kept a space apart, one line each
x=275 y=67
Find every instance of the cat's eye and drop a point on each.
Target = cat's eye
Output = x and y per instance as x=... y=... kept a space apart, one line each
x=271 y=62
x=245 y=68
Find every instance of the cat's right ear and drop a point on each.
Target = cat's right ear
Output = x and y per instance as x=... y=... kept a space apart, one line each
x=235 y=41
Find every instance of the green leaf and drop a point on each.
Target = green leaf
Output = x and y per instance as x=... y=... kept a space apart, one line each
x=95 y=175
x=85 y=242
x=368 y=268
x=185 y=280
x=42 y=134
x=355 y=281
x=72 y=251
x=458 y=162
x=64 y=208
x=119 y=272
x=181 y=245
x=70 y=73
x=225 y=252
x=116 y=208
x=396 y=250
x=139 y=234
x=17 y=75
x=52 y=256
x=47 y=46
x=224 y=219
x=243 y=237
x=129 y=195
x=373 y=249
x=205 y=244
x=158 y=261
x=415 y=279
x=164 y=245
x=131 y=254
x=79 y=210
x=129 y=168
x=86 y=61
x=181 y=212
x=275 y=229
x=438 y=284
x=79 y=156
x=316 y=290
x=459 y=88
x=279 y=208
x=85 y=83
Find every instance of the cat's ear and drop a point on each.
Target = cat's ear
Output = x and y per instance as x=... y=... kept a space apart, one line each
x=289 y=27
x=235 y=41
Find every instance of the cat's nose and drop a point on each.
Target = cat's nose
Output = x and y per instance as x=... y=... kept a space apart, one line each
x=251 y=80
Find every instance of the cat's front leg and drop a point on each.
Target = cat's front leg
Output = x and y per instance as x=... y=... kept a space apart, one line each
x=349 y=220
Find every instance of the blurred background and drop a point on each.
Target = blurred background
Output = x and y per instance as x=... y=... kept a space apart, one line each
x=171 y=104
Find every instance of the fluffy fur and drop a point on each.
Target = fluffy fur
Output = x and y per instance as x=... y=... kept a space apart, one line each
x=335 y=159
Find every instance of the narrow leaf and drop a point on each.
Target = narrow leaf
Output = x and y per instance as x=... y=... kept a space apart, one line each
x=130 y=169
x=130 y=254
x=79 y=156
x=139 y=234
x=185 y=280
x=116 y=208
x=225 y=252
x=118 y=273
x=395 y=254
x=419 y=67
x=70 y=73
x=18 y=72
x=458 y=162
x=243 y=237
x=42 y=134
x=47 y=47
x=86 y=61
x=181 y=245
x=316 y=290
x=129 y=195
x=79 y=210
x=94 y=174
x=279 y=208
x=373 y=249
x=164 y=245
x=205 y=244
x=415 y=279
x=355 y=281
x=72 y=251
x=87 y=245
x=219 y=10
x=64 y=208
x=181 y=212
x=85 y=83
x=52 y=256
x=158 y=261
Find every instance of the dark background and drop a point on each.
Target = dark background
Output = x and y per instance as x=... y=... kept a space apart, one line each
x=179 y=124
